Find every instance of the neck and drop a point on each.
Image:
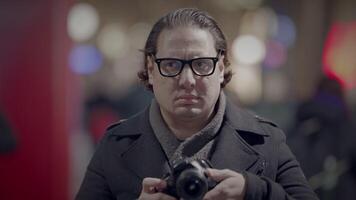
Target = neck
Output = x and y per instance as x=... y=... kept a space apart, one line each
x=186 y=127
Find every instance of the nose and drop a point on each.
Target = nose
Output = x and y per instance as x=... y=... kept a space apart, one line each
x=186 y=78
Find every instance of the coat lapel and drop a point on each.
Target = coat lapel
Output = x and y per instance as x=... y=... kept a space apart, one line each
x=233 y=152
x=145 y=156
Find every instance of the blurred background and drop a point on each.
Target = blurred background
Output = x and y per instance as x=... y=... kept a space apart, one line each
x=68 y=70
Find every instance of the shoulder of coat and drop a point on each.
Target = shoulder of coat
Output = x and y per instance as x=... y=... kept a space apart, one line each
x=115 y=124
x=265 y=121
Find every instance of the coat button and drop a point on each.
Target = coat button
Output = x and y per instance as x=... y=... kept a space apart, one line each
x=261 y=168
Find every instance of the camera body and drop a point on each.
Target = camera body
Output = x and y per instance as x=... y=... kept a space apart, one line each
x=188 y=180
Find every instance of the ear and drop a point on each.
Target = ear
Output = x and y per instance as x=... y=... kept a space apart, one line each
x=221 y=66
x=150 y=66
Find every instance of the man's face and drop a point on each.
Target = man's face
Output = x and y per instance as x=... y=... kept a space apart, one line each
x=186 y=96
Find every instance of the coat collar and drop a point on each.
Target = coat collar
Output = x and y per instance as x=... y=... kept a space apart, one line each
x=146 y=158
x=239 y=119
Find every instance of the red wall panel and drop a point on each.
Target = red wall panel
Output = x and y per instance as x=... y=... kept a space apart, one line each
x=33 y=94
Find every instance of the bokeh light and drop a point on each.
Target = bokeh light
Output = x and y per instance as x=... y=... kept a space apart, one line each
x=276 y=55
x=112 y=41
x=247 y=84
x=286 y=32
x=265 y=21
x=339 y=60
x=85 y=59
x=260 y=23
x=82 y=22
x=248 y=50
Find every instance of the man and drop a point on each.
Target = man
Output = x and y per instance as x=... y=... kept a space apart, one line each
x=7 y=139
x=190 y=118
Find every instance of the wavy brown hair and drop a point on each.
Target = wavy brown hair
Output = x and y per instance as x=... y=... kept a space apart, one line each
x=185 y=17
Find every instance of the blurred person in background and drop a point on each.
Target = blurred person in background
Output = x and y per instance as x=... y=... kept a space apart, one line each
x=323 y=141
x=7 y=139
x=190 y=118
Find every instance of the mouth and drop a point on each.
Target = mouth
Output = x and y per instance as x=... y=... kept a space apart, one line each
x=186 y=99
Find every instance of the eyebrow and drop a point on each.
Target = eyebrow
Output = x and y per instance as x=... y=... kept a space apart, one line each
x=188 y=57
x=191 y=55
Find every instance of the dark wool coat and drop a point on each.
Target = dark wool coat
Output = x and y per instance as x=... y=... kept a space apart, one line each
x=246 y=143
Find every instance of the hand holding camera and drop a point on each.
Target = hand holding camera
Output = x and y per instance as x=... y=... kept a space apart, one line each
x=188 y=180
x=195 y=180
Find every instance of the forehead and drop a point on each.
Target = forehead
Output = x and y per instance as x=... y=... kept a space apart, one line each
x=185 y=39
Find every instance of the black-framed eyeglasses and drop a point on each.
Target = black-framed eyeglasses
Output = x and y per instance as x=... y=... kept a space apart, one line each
x=171 y=67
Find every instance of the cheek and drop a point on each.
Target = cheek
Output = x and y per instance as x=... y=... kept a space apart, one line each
x=210 y=84
x=162 y=82
x=155 y=78
x=163 y=87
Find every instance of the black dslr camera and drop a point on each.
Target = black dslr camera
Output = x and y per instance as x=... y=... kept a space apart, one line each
x=188 y=180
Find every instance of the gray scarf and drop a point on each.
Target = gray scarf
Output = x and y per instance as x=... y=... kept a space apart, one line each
x=197 y=146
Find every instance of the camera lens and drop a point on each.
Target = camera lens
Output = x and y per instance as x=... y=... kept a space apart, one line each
x=192 y=187
x=191 y=184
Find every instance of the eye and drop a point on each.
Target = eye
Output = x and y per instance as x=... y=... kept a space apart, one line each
x=170 y=67
x=202 y=65
x=170 y=64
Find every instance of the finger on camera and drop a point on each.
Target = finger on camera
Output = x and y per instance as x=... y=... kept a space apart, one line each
x=219 y=175
x=153 y=185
